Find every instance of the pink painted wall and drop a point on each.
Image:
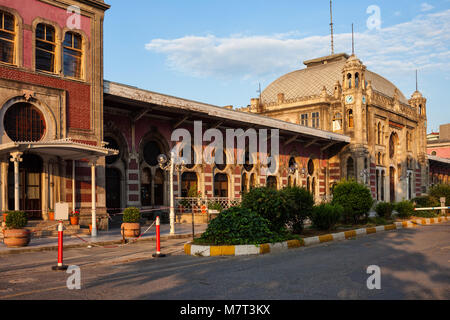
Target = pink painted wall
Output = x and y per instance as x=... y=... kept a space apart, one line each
x=440 y=152
x=33 y=9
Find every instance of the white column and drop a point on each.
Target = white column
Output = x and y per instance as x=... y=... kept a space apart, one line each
x=172 y=209
x=93 y=198
x=73 y=185
x=16 y=157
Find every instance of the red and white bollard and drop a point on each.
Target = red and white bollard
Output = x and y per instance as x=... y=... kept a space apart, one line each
x=60 y=266
x=158 y=253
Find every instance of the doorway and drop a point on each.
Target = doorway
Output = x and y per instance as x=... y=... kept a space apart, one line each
x=392 y=184
x=113 y=190
x=30 y=170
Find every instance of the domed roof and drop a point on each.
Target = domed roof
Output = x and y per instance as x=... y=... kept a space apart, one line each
x=322 y=72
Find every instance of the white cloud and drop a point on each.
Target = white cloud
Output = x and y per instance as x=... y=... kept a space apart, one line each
x=426 y=7
x=420 y=43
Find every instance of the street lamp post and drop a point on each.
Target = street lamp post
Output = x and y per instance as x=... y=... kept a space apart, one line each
x=170 y=165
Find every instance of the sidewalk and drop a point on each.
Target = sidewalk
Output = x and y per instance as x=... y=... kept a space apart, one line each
x=105 y=238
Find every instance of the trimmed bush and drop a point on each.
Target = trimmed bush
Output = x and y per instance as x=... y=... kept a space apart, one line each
x=16 y=220
x=426 y=202
x=441 y=190
x=131 y=215
x=239 y=226
x=299 y=204
x=326 y=216
x=384 y=210
x=355 y=198
x=405 y=209
x=269 y=204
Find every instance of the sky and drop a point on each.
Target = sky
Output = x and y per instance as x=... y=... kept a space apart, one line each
x=218 y=52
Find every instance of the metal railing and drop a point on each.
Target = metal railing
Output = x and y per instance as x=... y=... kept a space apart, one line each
x=201 y=205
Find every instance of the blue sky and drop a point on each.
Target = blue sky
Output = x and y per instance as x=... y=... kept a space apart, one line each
x=218 y=51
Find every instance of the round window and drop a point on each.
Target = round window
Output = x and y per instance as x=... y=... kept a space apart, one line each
x=24 y=122
x=151 y=153
x=112 y=144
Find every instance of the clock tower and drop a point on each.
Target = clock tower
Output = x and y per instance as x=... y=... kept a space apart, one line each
x=354 y=101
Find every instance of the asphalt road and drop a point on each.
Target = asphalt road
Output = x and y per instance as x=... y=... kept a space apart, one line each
x=414 y=263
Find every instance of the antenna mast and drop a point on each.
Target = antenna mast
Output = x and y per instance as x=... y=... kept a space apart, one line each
x=331 y=27
x=417 y=86
x=353 y=41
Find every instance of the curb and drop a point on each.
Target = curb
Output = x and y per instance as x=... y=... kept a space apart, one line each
x=84 y=244
x=245 y=250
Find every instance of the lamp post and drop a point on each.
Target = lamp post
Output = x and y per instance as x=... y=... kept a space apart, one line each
x=170 y=165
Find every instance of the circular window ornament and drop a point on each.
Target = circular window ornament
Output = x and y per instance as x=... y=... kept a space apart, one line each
x=24 y=122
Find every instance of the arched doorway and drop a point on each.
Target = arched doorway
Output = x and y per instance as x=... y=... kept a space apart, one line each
x=272 y=182
x=30 y=170
x=244 y=183
x=392 y=184
x=159 y=187
x=146 y=187
x=113 y=193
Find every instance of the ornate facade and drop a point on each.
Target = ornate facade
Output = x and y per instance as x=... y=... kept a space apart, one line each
x=388 y=132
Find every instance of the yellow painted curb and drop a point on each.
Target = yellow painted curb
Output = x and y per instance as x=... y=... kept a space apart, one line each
x=187 y=249
x=390 y=227
x=294 y=244
x=350 y=234
x=326 y=238
x=222 y=251
x=264 y=248
x=371 y=230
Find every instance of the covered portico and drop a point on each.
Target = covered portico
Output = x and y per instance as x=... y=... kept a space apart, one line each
x=48 y=178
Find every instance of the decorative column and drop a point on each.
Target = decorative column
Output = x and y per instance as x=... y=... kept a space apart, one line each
x=73 y=185
x=93 y=163
x=16 y=157
x=4 y=183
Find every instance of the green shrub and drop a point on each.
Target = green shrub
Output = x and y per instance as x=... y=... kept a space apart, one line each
x=299 y=204
x=239 y=226
x=131 y=215
x=441 y=190
x=326 y=216
x=379 y=221
x=405 y=209
x=384 y=210
x=269 y=204
x=426 y=202
x=355 y=198
x=16 y=220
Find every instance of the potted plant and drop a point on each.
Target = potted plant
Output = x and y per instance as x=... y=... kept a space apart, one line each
x=15 y=234
x=5 y=214
x=74 y=217
x=51 y=214
x=131 y=227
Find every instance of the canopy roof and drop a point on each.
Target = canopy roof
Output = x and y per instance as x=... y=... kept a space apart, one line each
x=66 y=149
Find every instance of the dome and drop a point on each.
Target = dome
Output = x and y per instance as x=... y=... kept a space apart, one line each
x=322 y=72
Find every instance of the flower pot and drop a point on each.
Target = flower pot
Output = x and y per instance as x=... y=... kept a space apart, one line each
x=130 y=230
x=16 y=238
x=51 y=215
x=74 y=220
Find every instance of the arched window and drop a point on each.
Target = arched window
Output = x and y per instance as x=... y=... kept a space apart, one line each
x=73 y=55
x=45 y=48
x=380 y=159
x=112 y=144
x=189 y=184
x=350 y=118
x=221 y=185
x=221 y=164
x=151 y=153
x=379 y=133
x=24 y=122
x=350 y=169
x=357 y=80
x=434 y=153
x=248 y=166
x=349 y=80
x=337 y=122
x=7 y=37
x=190 y=163
x=253 y=181
x=420 y=109
x=244 y=183
x=392 y=145
x=311 y=167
